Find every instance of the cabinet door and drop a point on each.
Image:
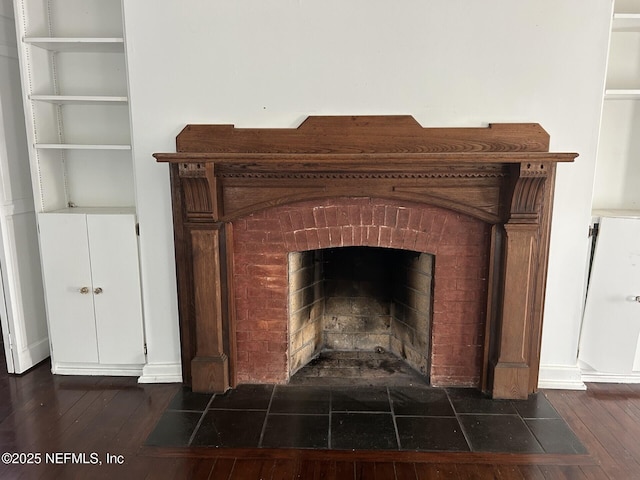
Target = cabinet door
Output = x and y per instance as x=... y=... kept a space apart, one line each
x=67 y=271
x=116 y=288
x=611 y=328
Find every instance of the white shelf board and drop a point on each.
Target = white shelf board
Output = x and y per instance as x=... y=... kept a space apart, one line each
x=93 y=211
x=622 y=94
x=77 y=146
x=617 y=213
x=626 y=22
x=74 y=44
x=80 y=99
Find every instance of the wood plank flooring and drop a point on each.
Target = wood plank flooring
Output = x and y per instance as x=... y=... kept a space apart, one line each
x=95 y=416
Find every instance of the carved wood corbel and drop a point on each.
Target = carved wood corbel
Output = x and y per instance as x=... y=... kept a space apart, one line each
x=196 y=192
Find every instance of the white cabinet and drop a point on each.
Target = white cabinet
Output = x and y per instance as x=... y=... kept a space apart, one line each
x=75 y=95
x=610 y=341
x=90 y=266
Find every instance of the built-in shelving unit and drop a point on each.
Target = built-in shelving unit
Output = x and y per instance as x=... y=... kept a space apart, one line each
x=75 y=81
x=610 y=338
x=618 y=162
x=75 y=86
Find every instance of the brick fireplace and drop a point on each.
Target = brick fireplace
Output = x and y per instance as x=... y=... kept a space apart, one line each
x=469 y=207
x=264 y=240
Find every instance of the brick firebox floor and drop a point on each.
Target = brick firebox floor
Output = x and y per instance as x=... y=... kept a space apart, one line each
x=362 y=368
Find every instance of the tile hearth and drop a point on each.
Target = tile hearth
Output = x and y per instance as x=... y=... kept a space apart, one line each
x=414 y=418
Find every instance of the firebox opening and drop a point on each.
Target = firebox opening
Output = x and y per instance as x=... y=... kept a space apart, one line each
x=356 y=302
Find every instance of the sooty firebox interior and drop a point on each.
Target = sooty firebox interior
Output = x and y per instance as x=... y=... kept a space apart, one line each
x=360 y=306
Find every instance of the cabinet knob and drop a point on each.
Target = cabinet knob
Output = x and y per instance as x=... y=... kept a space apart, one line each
x=84 y=290
x=637 y=299
x=98 y=290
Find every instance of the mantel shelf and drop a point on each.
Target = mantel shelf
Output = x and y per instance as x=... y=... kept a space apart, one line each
x=80 y=99
x=314 y=161
x=77 y=44
x=76 y=146
x=331 y=144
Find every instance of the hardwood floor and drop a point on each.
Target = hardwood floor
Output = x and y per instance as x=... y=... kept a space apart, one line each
x=59 y=419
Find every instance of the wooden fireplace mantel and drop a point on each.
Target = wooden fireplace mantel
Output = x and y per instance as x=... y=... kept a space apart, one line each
x=502 y=174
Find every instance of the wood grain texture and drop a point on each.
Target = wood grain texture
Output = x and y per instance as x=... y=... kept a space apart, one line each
x=502 y=174
x=210 y=366
x=362 y=134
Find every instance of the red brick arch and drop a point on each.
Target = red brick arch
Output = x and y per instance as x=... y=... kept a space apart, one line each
x=263 y=240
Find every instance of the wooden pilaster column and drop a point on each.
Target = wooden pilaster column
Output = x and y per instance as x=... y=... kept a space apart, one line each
x=522 y=251
x=201 y=254
x=210 y=366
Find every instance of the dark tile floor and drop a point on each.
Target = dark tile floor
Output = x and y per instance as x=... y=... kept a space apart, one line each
x=363 y=418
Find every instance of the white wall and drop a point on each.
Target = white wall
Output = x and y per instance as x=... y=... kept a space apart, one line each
x=271 y=63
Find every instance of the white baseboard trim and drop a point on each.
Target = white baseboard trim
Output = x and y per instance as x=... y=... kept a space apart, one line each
x=161 y=373
x=562 y=377
x=96 y=370
x=590 y=374
x=599 y=377
x=31 y=355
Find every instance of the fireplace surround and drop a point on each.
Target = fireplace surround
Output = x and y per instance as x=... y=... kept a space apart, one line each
x=477 y=199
